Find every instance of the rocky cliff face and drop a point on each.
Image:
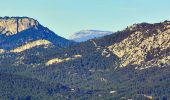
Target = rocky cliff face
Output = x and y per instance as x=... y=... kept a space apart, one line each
x=18 y=31
x=147 y=45
x=13 y=25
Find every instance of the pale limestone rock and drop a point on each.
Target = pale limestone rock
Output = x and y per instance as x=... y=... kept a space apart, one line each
x=112 y=92
x=148 y=97
x=133 y=49
x=77 y=56
x=31 y=45
x=55 y=60
x=13 y=25
x=2 y=51
x=60 y=60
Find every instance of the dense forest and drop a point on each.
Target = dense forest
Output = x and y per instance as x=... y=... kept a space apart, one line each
x=90 y=70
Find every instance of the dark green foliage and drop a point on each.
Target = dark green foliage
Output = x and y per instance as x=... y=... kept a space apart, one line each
x=23 y=88
x=91 y=77
x=94 y=84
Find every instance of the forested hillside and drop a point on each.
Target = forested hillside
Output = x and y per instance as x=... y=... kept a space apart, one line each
x=130 y=64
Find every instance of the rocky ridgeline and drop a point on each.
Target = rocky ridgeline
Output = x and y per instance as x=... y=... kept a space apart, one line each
x=28 y=46
x=148 y=45
x=145 y=45
x=13 y=25
x=24 y=32
x=31 y=45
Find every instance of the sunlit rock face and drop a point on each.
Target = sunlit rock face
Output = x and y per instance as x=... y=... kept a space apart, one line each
x=148 y=45
x=59 y=60
x=12 y=25
x=18 y=31
x=2 y=51
x=31 y=45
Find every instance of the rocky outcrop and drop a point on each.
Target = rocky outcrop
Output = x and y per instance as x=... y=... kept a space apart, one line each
x=12 y=25
x=2 y=51
x=17 y=31
x=31 y=45
x=59 y=60
x=148 y=45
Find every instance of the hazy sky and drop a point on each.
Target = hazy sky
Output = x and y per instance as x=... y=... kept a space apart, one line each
x=68 y=16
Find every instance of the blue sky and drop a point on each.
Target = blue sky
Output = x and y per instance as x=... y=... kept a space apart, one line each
x=65 y=17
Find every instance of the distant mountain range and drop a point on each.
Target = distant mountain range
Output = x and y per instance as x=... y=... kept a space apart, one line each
x=37 y=64
x=86 y=35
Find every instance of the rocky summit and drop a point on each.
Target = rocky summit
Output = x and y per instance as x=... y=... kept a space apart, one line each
x=37 y=64
x=18 y=31
x=13 y=25
x=147 y=45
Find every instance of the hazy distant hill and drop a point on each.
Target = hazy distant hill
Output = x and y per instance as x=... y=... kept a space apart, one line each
x=85 y=35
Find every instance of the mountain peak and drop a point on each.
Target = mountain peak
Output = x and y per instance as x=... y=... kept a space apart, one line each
x=13 y=25
x=18 y=31
x=85 y=35
x=144 y=45
x=144 y=25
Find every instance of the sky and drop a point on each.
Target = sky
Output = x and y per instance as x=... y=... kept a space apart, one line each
x=66 y=17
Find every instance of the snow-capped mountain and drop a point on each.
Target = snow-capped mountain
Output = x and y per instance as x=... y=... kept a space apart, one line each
x=85 y=35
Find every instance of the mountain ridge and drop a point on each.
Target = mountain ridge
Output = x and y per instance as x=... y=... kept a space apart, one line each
x=86 y=35
x=17 y=31
x=129 y=64
x=13 y=25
